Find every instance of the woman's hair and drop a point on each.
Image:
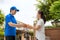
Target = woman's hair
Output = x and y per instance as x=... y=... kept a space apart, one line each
x=42 y=15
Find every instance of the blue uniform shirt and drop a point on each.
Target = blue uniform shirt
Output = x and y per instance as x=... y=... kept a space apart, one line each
x=9 y=30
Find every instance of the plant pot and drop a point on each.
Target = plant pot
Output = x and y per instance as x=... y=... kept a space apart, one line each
x=56 y=24
x=53 y=33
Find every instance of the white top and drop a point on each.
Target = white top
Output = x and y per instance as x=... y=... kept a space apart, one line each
x=40 y=34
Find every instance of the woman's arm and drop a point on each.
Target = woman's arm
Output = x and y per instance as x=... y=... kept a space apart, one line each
x=34 y=27
x=37 y=27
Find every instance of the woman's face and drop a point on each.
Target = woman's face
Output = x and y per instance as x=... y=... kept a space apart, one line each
x=38 y=15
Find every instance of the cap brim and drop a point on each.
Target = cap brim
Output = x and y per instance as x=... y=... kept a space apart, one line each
x=17 y=10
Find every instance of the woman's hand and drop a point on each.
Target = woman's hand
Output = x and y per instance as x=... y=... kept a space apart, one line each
x=29 y=26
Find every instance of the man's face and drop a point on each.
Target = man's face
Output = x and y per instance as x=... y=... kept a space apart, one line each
x=13 y=12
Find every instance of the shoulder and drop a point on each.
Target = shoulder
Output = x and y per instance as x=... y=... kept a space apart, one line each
x=7 y=16
x=41 y=20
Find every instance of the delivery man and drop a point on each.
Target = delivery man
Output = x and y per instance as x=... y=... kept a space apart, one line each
x=11 y=24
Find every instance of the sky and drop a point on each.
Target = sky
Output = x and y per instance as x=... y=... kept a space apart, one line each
x=27 y=13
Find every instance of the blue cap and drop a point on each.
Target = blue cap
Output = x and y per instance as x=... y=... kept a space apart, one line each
x=14 y=8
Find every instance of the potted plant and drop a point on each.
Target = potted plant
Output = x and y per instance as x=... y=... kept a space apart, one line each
x=55 y=13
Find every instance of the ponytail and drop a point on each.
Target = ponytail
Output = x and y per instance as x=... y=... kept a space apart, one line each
x=42 y=16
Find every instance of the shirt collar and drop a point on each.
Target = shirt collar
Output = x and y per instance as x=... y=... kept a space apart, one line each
x=11 y=15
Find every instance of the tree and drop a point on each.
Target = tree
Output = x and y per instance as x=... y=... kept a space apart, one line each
x=55 y=10
x=1 y=17
x=45 y=6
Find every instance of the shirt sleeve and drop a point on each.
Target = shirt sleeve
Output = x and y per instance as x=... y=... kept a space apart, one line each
x=40 y=22
x=8 y=19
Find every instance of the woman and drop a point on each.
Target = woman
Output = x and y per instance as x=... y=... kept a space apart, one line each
x=40 y=30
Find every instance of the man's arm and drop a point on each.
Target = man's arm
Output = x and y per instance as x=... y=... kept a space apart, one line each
x=17 y=25
x=10 y=23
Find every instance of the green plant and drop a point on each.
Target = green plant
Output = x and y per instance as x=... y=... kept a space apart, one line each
x=1 y=17
x=1 y=32
x=55 y=10
x=45 y=6
x=31 y=33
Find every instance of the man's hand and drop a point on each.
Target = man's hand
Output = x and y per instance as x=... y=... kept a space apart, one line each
x=22 y=24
